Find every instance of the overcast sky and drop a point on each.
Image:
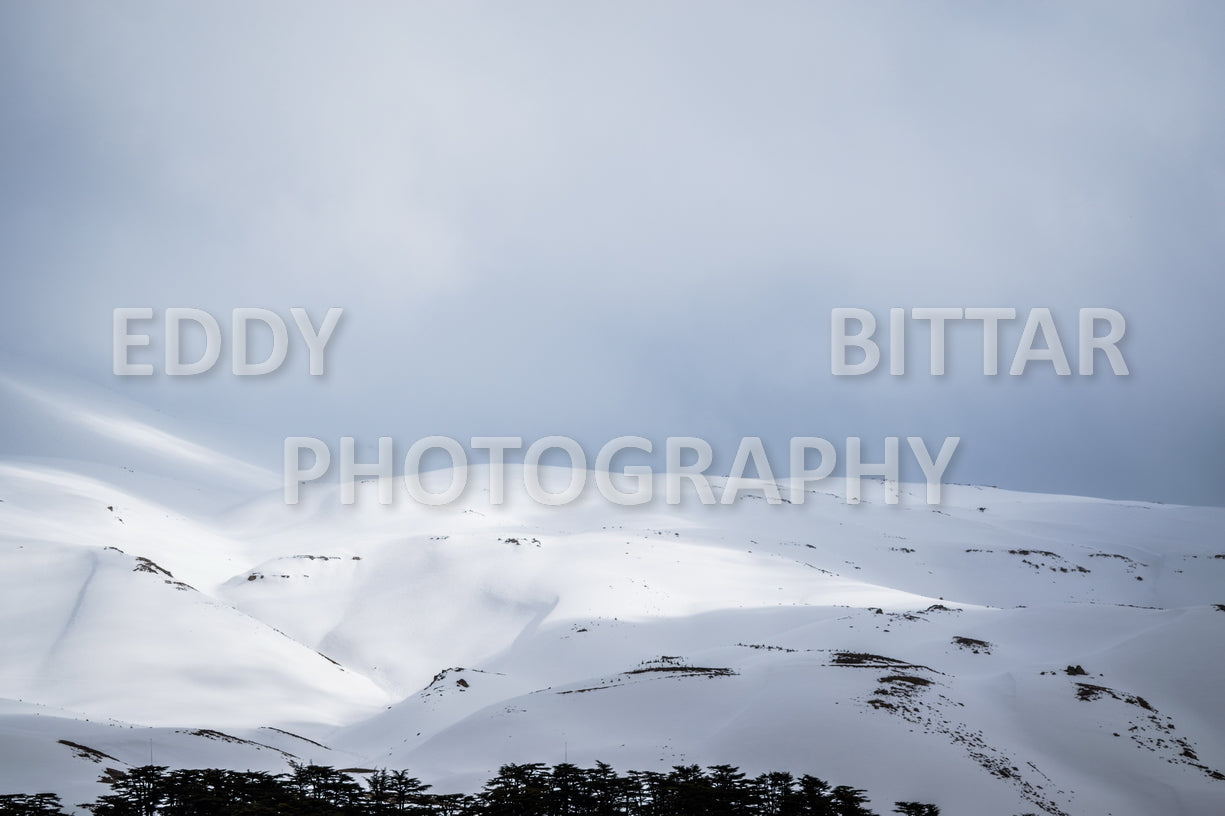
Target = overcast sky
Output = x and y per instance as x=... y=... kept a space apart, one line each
x=599 y=219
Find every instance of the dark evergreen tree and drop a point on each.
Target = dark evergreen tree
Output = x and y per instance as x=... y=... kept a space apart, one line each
x=24 y=804
x=323 y=791
x=211 y=791
x=686 y=791
x=397 y=792
x=915 y=809
x=378 y=794
x=646 y=790
x=850 y=802
x=731 y=795
x=451 y=804
x=815 y=797
x=568 y=791
x=776 y=794
x=607 y=794
x=139 y=792
x=517 y=790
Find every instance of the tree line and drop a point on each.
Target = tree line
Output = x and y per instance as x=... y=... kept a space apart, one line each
x=518 y=790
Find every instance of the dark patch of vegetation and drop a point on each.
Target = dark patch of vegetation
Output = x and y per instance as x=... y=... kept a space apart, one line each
x=908 y=679
x=85 y=752
x=900 y=687
x=517 y=790
x=917 y=808
x=1112 y=555
x=295 y=736
x=221 y=736
x=23 y=804
x=766 y=647
x=1088 y=692
x=864 y=660
x=146 y=565
x=973 y=644
x=520 y=541
x=704 y=671
x=209 y=733
x=1038 y=553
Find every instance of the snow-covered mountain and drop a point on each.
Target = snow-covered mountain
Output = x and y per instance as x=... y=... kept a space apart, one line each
x=1000 y=653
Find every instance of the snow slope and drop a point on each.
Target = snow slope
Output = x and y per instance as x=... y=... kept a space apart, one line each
x=919 y=652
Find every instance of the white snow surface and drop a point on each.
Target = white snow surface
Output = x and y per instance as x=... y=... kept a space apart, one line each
x=917 y=651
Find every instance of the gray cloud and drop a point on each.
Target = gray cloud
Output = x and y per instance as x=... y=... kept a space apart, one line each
x=635 y=218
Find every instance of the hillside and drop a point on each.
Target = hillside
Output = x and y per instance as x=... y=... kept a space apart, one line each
x=923 y=653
